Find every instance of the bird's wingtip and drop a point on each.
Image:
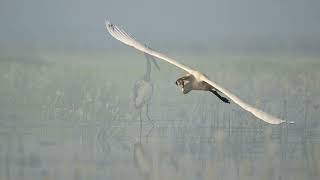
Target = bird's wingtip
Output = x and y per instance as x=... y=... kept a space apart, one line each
x=107 y=22
x=109 y=26
x=288 y=122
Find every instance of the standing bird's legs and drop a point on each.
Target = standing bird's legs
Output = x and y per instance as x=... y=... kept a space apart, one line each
x=151 y=121
x=140 y=125
x=219 y=96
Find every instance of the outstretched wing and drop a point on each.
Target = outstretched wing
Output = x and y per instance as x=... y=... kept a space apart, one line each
x=124 y=37
x=256 y=112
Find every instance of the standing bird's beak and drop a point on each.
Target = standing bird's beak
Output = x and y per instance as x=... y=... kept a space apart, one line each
x=152 y=59
x=155 y=62
x=149 y=57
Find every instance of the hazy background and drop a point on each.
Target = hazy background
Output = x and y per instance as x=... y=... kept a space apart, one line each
x=286 y=26
x=66 y=90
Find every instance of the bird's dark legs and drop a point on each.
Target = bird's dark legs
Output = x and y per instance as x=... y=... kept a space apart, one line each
x=219 y=96
x=151 y=121
x=140 y=125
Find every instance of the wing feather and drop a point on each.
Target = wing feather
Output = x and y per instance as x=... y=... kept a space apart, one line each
x=256 y=112
x=124 y=37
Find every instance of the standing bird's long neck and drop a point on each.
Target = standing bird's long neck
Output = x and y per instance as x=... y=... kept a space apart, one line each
x=147 y=70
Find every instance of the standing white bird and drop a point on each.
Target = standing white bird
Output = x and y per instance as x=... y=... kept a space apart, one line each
x=194 y=80
x=143 y=90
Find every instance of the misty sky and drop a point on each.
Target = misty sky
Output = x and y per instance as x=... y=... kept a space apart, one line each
x=80 y=24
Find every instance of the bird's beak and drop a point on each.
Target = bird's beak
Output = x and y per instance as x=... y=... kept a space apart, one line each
x=155 y=62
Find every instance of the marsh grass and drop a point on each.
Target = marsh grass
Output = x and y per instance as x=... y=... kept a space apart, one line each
x=78 y=105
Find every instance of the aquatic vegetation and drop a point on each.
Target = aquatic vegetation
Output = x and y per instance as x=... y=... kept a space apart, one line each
x=65 y=110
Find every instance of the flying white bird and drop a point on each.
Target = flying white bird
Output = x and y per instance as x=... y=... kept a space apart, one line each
x=194 y=80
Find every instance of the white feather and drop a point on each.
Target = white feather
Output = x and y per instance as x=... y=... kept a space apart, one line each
x=122 y=36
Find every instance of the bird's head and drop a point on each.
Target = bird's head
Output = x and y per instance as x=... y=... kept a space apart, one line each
x=180 y=83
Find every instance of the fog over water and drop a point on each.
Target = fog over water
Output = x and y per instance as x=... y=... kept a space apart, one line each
x=77 y=104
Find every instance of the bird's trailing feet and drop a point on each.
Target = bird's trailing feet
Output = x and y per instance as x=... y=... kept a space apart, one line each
x=225 y=100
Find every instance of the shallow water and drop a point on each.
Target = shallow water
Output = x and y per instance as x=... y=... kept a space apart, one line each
x=74 y=121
